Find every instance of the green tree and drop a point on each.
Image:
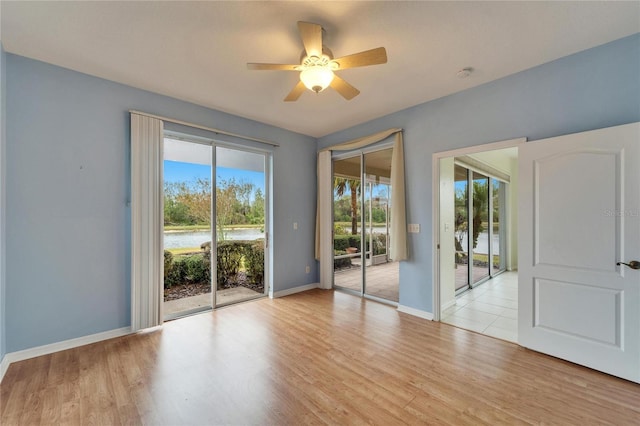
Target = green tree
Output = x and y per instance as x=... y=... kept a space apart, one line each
x=257 y=207
x=188 y=203
x=340 y=185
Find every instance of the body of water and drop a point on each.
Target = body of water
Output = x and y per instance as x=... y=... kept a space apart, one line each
x=194 y=239
x=482 y=246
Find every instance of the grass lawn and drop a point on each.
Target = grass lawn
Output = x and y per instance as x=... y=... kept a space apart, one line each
x=186 y=228
x=183 y=250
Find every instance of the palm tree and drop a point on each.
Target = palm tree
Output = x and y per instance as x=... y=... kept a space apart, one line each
x=340 y=185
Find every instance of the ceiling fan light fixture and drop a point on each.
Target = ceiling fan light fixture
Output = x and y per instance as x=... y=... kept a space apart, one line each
x=317 y=78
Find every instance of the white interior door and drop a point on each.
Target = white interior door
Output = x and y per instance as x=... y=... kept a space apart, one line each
x=580 y=215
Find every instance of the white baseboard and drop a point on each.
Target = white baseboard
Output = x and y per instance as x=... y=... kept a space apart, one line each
x=447 y=305
x=59 y=346
x=416 y=312
x=4 y=365
x=294 y=290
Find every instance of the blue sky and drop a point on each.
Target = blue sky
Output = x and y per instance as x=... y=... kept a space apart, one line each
x=176 y=171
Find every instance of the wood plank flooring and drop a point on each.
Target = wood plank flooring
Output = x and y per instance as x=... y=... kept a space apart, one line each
x=319 y=357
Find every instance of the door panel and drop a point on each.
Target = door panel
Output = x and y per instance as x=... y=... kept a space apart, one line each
x=461 y=224
x=347 y=264
x=241 y=218
x=579 y=215
x=560 y=238
x=381 y=273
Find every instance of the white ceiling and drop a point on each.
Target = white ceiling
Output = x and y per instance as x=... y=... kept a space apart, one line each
x=197 y=51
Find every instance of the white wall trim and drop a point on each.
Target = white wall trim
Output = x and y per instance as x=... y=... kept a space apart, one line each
x=4 y=366
x=447 y=305
x=59 y=346
x=416 y=312
x=294 y=290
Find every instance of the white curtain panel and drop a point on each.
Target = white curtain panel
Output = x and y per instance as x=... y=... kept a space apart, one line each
x=147 y=264
x=324 y=225
x=398 y=247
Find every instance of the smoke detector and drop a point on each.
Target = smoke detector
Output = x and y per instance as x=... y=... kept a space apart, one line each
x=464 y=72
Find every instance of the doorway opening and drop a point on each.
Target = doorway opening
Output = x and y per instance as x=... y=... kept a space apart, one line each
x=215 y=224
x=362 y=224
x=475 y=211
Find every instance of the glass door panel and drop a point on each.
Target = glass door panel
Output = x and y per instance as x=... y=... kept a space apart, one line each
x=499 y=229
x=381 y=273
x=461 y=227
x=187 y=227
x=240 y=224
x=480 y=227
x=347 y=247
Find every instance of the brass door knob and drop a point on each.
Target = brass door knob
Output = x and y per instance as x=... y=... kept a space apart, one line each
x=634 y=264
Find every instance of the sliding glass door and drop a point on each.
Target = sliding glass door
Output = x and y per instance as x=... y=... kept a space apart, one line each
x=480 y=234
x=241 y=223
x=461 y=224
x=232 y=196
x=361 y=212
x=381 y=273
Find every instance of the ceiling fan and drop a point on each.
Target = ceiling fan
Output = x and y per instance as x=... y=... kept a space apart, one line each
x=317 y=65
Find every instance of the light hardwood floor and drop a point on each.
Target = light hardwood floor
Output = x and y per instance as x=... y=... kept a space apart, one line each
x=319 y=357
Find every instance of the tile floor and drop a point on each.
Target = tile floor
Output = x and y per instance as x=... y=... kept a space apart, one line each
x=491 y=308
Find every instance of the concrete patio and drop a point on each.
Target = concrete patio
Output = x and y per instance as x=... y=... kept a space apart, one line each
x=381 y=280
x=223 y=297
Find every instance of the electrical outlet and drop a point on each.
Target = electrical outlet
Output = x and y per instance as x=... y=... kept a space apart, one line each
x=414 y=228
x=295 y=225
x=307 y=269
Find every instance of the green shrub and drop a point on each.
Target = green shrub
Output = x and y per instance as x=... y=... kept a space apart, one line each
x=341 y=263
x=379 y=243
x=180 y=270
x=176 y=274
x=197 y=268
x=168 y=264
x=229 y=257
x=339 y=229
x=341 y=242
x=254 y=261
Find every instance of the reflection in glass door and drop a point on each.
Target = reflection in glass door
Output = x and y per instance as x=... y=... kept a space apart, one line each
x=362 y=223
x=499 y=234
x=347 y=232
x=461 y=226
x=479 y=229
x=233 y=249
x=381 y=273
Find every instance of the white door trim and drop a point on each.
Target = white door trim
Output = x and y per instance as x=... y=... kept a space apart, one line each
x=436 y=157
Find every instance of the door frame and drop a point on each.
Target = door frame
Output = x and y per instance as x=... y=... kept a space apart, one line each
x=435 y=201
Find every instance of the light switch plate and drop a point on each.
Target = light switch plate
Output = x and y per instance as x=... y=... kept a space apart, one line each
x=414 y=228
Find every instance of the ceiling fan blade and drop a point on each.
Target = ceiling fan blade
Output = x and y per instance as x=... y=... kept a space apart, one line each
x=296 y=92
x=368 y=57
x=311 y=35
x=277 y=67
x=345 y=89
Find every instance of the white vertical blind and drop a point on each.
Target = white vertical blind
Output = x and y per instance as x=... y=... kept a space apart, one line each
x=147 y=266
x=324 y=220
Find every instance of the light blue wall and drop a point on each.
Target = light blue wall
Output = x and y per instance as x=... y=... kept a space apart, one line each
x=2 y=200
x=68 y=236
x=596 y=88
